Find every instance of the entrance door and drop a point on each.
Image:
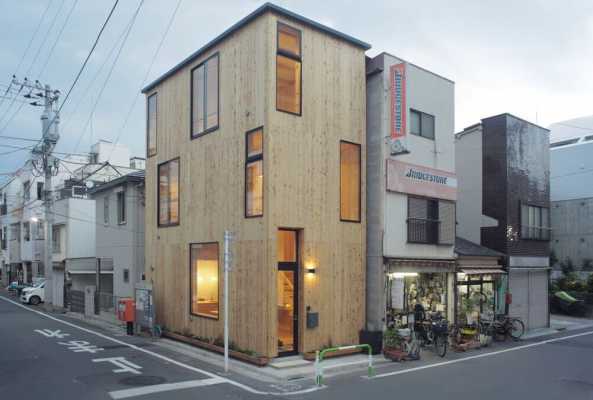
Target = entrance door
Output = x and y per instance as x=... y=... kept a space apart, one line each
x=287 y=282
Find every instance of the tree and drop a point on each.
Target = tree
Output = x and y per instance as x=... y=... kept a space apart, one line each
x=567 y=266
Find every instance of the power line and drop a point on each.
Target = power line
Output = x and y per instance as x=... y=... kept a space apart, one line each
x=574 y=126
x=137 y=96
x=51 y=51
x=18 y=138
x=127 y=34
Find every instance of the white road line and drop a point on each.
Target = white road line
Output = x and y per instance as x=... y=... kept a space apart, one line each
x=164 y=358
x=489 y=354
x=166 y=387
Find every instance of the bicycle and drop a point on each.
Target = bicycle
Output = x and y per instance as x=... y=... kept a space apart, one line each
x=409 y=343
x=434 y=332
x=506 y=326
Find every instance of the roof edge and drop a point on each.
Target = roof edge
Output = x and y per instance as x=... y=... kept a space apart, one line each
x=266 y=7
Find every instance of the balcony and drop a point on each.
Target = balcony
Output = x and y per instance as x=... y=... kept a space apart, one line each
x=424 y=231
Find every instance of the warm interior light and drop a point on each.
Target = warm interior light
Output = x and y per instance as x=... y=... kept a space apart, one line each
x=402 y=274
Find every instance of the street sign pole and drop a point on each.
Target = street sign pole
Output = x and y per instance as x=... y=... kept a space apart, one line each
x=228 y=237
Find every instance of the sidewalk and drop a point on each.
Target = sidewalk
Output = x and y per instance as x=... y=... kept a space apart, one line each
x=559 y=323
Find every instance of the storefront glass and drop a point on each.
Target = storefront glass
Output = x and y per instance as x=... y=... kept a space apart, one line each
x=405 y=290
x=476 y=297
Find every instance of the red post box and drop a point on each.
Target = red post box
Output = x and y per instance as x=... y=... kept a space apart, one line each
x=509 y=298
x=126 y=310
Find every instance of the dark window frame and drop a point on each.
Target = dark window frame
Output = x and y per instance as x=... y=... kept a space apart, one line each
x=359 y=220
x=249 y=160
x=294 y=57
x=421 y=113
x=436 y=222
x=190 y=282
x=121 y=208
x=39 y=190
x=158 y=193
x=156 y=118
x=544 y=232
x=126 y=275
x=193 y=136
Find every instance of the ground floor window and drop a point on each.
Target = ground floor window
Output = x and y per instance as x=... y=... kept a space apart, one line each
x=204 y=279
x=478 y=296
x=408 y=289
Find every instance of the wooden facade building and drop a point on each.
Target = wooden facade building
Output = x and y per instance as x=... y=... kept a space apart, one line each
x=260 y=132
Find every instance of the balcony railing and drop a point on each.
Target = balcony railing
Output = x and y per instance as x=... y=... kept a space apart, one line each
x=423 y=230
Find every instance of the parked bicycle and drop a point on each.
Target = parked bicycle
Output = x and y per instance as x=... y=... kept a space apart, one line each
x=432 y=330
x=502 y=326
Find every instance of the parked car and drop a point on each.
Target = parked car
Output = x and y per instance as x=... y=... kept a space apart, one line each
x=34 y=294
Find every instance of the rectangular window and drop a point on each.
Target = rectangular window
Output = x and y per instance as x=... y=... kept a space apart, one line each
x=535 y=222
x=349 y=181
x=126 y=275
x=121 y=207
x=168 y=193
x=151 y=125
x=204 y=97
x=27 y=190
x=15 y=232
x=4 y=238
x=55 y=236
x=254 y=173
x=26 y=231
x=288 y=70
x=431 y=221
x=204 y=279
x=106 y=210
x=421 y=124
x=39 y=230
x=39 y=190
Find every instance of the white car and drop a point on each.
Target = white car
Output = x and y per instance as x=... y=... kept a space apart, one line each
x=34 y=294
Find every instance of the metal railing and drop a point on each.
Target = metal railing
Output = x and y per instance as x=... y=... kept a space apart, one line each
x=319 y=358
x=423 y=230
x=535 y=232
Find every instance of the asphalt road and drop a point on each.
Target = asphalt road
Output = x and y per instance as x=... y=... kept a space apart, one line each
x=46 y=358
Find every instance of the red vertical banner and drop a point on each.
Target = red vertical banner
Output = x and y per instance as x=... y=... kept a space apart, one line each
x=398 y=101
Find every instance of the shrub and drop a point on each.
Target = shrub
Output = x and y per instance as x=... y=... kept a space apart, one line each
x=567 y=266
x=587 y=264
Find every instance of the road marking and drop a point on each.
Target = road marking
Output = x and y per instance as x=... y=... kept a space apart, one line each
x=165 y=358
x=166 y=387
x=81 y=346
x=49 y=333
x=489 y=354
x=123 y=364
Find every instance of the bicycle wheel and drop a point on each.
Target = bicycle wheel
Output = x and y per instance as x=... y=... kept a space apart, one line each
x=440 y=345
x=516 y=328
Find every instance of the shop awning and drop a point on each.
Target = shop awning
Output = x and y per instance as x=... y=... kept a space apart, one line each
x=483 y=271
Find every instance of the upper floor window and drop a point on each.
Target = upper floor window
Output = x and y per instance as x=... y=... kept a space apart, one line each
x=254 y=173
x=15 y=232
x=27 y=190
x=535 y=222
x=349 y=181
x=26 y=231
x=168 y=193
x=121 y=207
x=106 y=209
x=151 y=125
x=204 y=97
x=39 y=230
x=3 y=238
x=288 y=70
x=421 y=124
x=55 y=238
x=39 y=190
x=431 y=221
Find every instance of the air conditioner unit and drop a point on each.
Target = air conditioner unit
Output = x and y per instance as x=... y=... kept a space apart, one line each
x=79 y=191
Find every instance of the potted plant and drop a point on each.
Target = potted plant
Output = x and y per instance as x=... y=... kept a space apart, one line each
x=467 y=309
x=392 y=345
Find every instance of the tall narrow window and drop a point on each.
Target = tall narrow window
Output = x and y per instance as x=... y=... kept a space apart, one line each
x=26 y=231
x=254 y=173
x=121 y=207
x=168 y=193
x=151 y=126
x=204 y=97
x=288 y=70
x=106 y=209
x=204 y=279
x=349 y=181
x=39 y=190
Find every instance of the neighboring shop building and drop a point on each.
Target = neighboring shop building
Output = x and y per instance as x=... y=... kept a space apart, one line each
x=260 y=132
x=504 y=196
x=481 y=282
x=411 y=192
x=571 y=191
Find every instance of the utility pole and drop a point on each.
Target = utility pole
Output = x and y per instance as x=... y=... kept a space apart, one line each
x=44 y=162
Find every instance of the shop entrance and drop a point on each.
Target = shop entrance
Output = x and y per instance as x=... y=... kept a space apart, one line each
x=287 y=281
x=476 y=297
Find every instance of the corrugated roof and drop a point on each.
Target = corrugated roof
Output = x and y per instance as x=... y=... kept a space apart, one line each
x=267 y=7
x=136 y=176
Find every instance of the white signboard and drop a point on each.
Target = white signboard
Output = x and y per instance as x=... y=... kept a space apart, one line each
x=397 y=293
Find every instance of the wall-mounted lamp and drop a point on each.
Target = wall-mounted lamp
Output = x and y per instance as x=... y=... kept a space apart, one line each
x=311 y=270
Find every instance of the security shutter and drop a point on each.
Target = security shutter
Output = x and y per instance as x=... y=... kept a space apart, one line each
x=447 y=222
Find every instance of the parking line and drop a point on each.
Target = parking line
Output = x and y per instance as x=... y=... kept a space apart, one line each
x=164 y=358
x=140 y=391
x=489 y=354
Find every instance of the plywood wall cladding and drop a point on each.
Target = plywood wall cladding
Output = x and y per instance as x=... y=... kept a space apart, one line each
x=301 y=190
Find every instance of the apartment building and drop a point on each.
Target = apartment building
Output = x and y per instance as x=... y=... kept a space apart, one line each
x=503 y=169
x=411 y=192
x=260 y=132
x=571 y=191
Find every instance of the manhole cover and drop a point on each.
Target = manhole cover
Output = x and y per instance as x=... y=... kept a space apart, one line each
x=143 y=380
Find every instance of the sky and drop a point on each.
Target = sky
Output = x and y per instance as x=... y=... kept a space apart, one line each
x=532 y=58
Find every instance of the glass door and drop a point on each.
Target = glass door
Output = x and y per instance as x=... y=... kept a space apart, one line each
x=287 y=292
